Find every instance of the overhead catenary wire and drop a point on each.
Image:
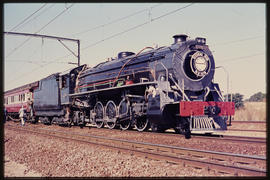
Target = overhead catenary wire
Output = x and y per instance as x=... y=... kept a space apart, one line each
x=55 y=18
x=174 y=11
x=36 y=62
x=16 y=48
x=12 y=29
x=114 y=21
x=19 y=70
x=239 y=40
x=242 y=57
x=39 y=14
x=118 y=34
x=135 y=27
x=33 y=70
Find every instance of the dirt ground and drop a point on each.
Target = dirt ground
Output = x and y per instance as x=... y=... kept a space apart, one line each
x=14 y=169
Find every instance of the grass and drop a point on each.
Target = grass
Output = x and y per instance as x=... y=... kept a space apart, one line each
x=252 y=111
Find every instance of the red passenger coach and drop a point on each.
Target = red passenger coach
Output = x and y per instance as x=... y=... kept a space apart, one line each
x=15 y=98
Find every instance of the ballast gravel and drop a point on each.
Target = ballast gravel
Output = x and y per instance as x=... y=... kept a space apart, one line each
x=171 y=139
x=55 y=157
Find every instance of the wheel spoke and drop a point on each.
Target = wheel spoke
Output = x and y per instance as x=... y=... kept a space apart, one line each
x=111 y=114
x=142 y=124
x=98 y=109
x=123 y=112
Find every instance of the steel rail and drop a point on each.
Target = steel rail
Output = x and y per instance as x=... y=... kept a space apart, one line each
x=247 y=130
x=227 y=163
x=255 y=122
x=230 y=138
x=244 y=139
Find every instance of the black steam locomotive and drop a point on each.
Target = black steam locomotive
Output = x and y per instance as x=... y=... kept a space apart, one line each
x=162 y=88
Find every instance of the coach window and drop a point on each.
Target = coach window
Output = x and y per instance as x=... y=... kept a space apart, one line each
x=16 y=98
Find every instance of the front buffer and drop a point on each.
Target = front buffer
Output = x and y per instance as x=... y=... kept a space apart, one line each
x=206 y=116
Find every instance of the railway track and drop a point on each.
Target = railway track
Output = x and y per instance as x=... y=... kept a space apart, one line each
x=247 y=130
x=219 y=162
x=226 y=138
x=237 y=139
x=254 y=122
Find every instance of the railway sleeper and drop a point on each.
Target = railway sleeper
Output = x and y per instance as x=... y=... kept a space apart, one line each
x=218 y=168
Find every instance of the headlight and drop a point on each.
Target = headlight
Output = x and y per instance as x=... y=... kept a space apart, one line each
x=200 y=64
x=200 y=40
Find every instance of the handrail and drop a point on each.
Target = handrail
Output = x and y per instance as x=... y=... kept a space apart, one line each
x=219 y=94
x=167 y=75
x=179 y=88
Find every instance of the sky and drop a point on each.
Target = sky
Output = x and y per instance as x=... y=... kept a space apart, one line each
x=234 y=32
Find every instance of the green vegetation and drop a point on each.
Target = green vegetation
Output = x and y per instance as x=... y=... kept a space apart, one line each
x=237 y=98
x=258 y=97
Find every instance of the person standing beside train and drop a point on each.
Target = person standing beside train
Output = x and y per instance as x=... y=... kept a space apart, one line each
x=22 y=115
x=5 y=114
x=30 y=107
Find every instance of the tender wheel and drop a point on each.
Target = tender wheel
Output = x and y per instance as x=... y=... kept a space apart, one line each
x=99 y=111
x=124 y=115
x=67 y=122
x=34 y=120
x=81 y=119
x=54 y=120
x=111 y=112
x=47 y=121
x=75 y=119
x=142 y=124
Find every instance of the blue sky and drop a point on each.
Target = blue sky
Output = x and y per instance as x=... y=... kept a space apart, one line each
x=235 y=33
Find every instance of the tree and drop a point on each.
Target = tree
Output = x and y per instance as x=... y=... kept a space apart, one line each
x=237 y=98
x=258 y=97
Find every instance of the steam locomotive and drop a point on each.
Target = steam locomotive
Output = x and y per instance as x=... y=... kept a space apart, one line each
x=162 y=88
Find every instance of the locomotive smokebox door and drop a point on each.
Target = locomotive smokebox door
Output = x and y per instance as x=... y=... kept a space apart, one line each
x=193 y=68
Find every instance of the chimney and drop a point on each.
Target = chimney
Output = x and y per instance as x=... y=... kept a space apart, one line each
x=180 y=38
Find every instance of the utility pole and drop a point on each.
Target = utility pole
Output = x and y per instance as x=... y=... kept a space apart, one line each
x=60 y=39
x=227 y=81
